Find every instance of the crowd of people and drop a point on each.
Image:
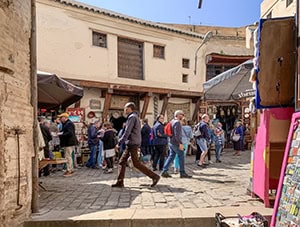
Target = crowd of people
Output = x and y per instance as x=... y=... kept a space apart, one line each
x=141 y=143
x=59 y=134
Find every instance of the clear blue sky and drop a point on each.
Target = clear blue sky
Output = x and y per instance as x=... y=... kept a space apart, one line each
x=228 y=13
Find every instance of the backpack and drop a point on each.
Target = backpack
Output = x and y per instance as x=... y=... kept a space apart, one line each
x=168 y=129
x=197 y=131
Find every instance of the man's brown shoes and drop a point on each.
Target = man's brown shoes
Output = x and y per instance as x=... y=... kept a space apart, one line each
x=119 y=184
x=155 y=181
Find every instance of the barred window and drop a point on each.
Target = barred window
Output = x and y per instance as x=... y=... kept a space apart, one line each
x=288 y=2
x=185 y=78
x=158 y=51
x=99 y=39
x=185 y=63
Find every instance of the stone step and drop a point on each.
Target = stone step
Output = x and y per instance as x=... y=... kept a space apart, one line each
x=140 y=217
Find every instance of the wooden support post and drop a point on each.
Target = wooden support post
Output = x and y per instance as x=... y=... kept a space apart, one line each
x=196 y=110
x=107 y=102
x=77 y=104
x=35 y=202
x=165 y=104
x=146 y=104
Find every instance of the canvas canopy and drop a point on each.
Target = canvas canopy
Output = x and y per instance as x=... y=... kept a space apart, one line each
x=232 y=84
x=54 y=92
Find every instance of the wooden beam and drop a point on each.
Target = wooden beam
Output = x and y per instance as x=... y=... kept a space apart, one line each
x=106 y=107
x=165 y=105
x=146 y=104
x=196 y=110
x=136 y=88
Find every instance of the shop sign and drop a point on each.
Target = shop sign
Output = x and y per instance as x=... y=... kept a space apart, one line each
x=95 y=104
x=80 y=112
x=118 y=102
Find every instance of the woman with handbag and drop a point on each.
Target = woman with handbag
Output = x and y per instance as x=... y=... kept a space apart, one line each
x=238 y=138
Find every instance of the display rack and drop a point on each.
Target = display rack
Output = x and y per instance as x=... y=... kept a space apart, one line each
x=287 y=203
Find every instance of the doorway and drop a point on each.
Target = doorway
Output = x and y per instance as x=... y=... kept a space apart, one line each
x=227 y=115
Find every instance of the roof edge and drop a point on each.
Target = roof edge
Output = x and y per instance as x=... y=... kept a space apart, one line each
x=120 y=16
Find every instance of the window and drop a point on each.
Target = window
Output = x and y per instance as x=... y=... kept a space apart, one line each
x=288 y=2
x=158 y=51
x=130 y=59
x=99 y=39
x=185 y=78
x=185 y=63
x=214 y=70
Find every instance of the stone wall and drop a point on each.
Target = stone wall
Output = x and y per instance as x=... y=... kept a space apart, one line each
x=16 y=113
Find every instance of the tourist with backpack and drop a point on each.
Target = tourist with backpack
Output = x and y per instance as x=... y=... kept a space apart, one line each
x=174 y=130
x=197 y=134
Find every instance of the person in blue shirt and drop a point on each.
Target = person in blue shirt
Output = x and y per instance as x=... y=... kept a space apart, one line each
x=220 y=140
x=187 y=135
x=93 y=141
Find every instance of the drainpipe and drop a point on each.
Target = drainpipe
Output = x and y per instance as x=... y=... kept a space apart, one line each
x=33 y=101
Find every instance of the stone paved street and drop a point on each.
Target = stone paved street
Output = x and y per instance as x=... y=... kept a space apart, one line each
x=220 y=185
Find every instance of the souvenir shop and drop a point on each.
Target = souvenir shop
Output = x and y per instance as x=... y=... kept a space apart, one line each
x=275 y=119
x=228 y=112
x=275 y=164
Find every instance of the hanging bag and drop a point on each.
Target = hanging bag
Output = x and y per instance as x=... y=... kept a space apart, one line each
x=197 y=131
x=236 y=137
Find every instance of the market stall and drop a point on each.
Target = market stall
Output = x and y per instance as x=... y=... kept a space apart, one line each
x=275 y=99
x=55 y=92
x=227 y=96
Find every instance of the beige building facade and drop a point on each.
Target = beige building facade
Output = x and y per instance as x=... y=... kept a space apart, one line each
x=153 y=64
x=278 y=8
x=16 y=113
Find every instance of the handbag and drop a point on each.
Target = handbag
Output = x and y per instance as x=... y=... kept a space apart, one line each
x=197 y=131
x=236 y=137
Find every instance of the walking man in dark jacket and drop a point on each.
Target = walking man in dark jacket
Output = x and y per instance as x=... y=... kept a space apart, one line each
x=67 y=140
x=132 y=138
x=176 y=146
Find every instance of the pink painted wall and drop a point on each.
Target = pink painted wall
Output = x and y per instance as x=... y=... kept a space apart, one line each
x=265 y=131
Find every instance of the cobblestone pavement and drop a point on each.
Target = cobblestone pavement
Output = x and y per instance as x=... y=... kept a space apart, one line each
x=220 y=185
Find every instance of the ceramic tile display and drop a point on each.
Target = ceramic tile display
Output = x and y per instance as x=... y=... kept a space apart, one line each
x=287 y=205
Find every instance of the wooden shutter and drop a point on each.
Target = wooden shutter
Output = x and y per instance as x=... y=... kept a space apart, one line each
x=130 y=59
